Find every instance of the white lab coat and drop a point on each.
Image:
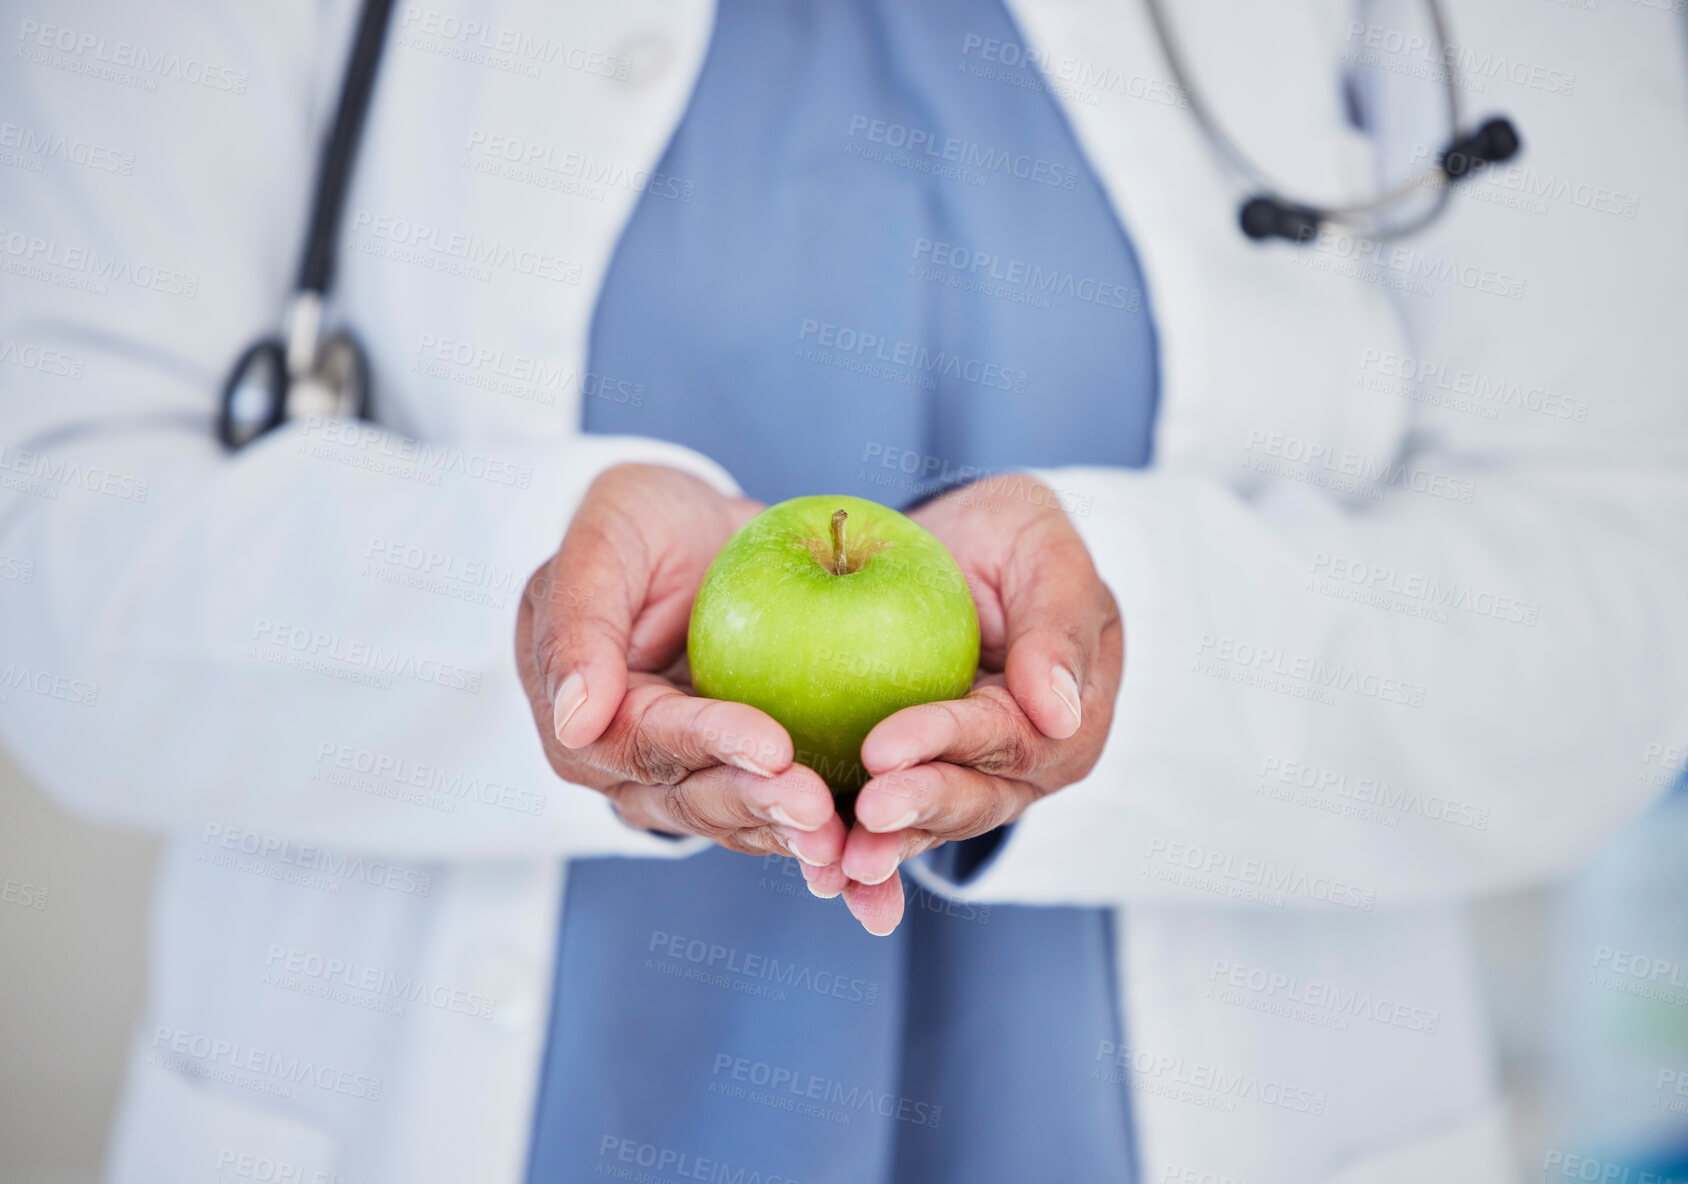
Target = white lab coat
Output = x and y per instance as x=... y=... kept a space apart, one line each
x=200 y=643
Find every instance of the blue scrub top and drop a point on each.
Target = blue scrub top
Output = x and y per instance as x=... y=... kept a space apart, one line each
x=887 y=269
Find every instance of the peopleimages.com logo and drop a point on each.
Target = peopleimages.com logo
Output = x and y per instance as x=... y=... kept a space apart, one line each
x=264 y=1070
x=790 y=1089
x=126 y=62
x=669 y=1163
x=318 y=865
x=1203 y=1083
x=1248 y=877
x=720 y=965
x=319 y=652
x=974 y=158
x=840 y=342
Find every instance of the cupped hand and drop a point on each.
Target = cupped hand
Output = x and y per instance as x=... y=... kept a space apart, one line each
x=600 y=639
x=1051 y=654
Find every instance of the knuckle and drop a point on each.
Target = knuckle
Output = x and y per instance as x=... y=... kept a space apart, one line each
x=756 y=840
x=1008 y=760
x=974 y=816
x=681 y=806
x=1011 y=757
x=916 y=842
x=631 y=749
x=552 y=599
x=546 y=650
x=548 y=664
x=1012 y=752
x=654 y=761
x=1067 y=635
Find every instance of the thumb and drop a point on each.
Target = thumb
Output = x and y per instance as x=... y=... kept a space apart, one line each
x=584 y=602
x=1055 y=607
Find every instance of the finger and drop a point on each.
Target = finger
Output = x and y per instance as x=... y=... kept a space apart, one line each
x=719 y=801
x=584 y=602
x=1056 y=608
x=816 y=850
x=987 y=730
x=950 y=802
x=826 y=881
x=879 y=907
x=871 y=858
x=660 y=734
x=821 y=847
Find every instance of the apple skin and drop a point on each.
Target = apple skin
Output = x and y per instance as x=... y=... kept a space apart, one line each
x=828 y=656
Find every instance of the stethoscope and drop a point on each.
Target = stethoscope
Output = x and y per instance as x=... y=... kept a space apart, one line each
x=1268 y=213
x=304 y=373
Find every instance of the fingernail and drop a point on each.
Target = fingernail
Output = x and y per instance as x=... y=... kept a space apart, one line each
x=880 y=933
x=880 y=880
x=791 y=838
x=1065 y=686
x=571 y=697
x=778 y=814
x=816 y=892
x=739 y=761
x=905 y=819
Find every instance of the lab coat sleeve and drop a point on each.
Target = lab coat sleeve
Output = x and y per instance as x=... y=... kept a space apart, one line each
x=313 y=640
x=1350 y=687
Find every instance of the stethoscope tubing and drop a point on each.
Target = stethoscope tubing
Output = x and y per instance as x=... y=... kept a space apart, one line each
x=277 y=365
x=339 y=154
x=1254 y=177
x=272 y=366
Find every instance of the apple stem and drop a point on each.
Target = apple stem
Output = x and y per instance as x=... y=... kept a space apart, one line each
x=840 y=563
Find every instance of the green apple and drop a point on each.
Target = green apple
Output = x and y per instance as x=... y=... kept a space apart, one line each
x=829 y=614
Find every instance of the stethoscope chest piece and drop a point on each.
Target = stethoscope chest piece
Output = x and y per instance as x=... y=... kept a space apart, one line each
x=255 y=397
x=264 y=391
x=337 y=386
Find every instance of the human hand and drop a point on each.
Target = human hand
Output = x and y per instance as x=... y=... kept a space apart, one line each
x=1051 y=654
x=600 y=639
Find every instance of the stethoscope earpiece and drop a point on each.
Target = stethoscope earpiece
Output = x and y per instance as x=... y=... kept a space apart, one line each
x=1267 y=217
x=1495 y=141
